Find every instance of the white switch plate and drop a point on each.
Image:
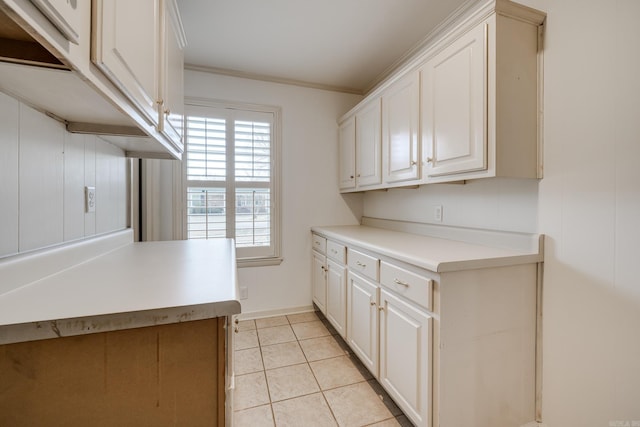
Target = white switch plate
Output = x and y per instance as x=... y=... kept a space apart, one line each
x=437 y=213
x=89 y=199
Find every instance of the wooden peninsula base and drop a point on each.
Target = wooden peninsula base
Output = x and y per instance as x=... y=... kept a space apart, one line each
x=167 y=375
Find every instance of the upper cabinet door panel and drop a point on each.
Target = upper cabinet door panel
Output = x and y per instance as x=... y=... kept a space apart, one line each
x=454 y=85
x=368 y=145
x=126 y=38
x=172 y=78
x=65 y=15
x=347 y=153
x=400 y=114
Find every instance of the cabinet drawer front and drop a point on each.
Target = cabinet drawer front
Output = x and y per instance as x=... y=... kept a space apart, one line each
x=410 y=285
x=363 y=264
x=336 y=251
x=319 y=243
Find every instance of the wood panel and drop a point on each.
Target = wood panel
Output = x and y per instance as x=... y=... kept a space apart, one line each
x=162 y=376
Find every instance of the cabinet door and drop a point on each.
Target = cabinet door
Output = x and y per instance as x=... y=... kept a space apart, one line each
x=347 y=154
x=65 y=15
x=405 y=356
x=400 y=114
x=368 y=145
x=362 y=320
x=337 y=296
x=454 y=87
x=171 y=97
x=125 y=46
x=319 y=281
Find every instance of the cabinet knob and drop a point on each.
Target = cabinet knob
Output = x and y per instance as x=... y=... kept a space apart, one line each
x=235 y=330
x=381 y=308
x=167 y=112
x=358 y=175
x=361 y=264
x=351 y=176
x=413 y=163
x=372 y=303
x=236 y=321
x=429 y=159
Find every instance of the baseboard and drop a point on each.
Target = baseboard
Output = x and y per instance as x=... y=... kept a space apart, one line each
x=533 y=424
x=279 y=312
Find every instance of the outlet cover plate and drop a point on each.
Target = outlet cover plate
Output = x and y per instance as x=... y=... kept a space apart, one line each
x=89 y=199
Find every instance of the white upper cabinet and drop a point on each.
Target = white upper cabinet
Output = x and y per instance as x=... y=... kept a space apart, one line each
x=347 y=154
x=479 y=100
x=368 y=145
x=171 y=73
x=65 y=15
x=454 y=85
x=465 y=106
x=126 y=47
x=113 y=68
x=400 y=115
x=360 y=148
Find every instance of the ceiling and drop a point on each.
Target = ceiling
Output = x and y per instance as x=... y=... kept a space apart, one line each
x=347 y=45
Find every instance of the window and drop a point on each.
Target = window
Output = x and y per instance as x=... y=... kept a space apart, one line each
x=231 y=161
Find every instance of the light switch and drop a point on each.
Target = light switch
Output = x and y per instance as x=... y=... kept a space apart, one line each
x=437 y=213
x=89 y=199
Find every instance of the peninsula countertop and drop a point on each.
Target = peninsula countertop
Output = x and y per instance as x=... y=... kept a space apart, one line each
x=134 y=285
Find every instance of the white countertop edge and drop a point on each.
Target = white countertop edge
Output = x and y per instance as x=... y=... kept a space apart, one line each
x=22 y=269
x=513 y=258
x=114 y=322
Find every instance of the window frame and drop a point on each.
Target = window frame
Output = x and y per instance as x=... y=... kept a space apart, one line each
x=275 y=257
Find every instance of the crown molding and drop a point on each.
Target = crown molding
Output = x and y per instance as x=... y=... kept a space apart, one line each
x=272 y=79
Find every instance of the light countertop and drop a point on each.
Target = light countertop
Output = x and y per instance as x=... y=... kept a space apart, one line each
x=436 y=254
x=138 y=284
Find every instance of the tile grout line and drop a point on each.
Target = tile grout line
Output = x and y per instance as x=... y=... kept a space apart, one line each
x=336 y=336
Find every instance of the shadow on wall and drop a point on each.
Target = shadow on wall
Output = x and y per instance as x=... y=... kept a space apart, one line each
x=354 y=202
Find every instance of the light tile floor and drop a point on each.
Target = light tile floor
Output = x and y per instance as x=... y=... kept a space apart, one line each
x=297 y=371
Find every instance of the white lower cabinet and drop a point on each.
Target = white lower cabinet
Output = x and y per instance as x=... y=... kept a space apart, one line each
x=319 y=281
x=451 y=348
x=405 y=356
x=337 y=296
x=362 y=320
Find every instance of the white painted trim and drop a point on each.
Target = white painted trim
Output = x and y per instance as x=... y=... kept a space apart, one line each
x=176 y=20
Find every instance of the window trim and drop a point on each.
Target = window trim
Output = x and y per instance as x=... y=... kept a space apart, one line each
x=276 y=178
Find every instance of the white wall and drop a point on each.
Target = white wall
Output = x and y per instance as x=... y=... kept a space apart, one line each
x=588 y=206
x=498 y=204
x=309 y=180
x=43 y=171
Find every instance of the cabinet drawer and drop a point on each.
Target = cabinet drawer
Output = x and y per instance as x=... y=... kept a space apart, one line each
x=410 y=285
x=319 y=243
x=336 y=251
x=363 y=264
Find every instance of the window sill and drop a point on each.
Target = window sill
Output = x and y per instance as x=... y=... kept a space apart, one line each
x=259 y=262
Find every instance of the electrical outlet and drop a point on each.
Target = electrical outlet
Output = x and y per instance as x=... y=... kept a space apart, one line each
x=89 y=199
x=244 y=292
x=437 y=213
